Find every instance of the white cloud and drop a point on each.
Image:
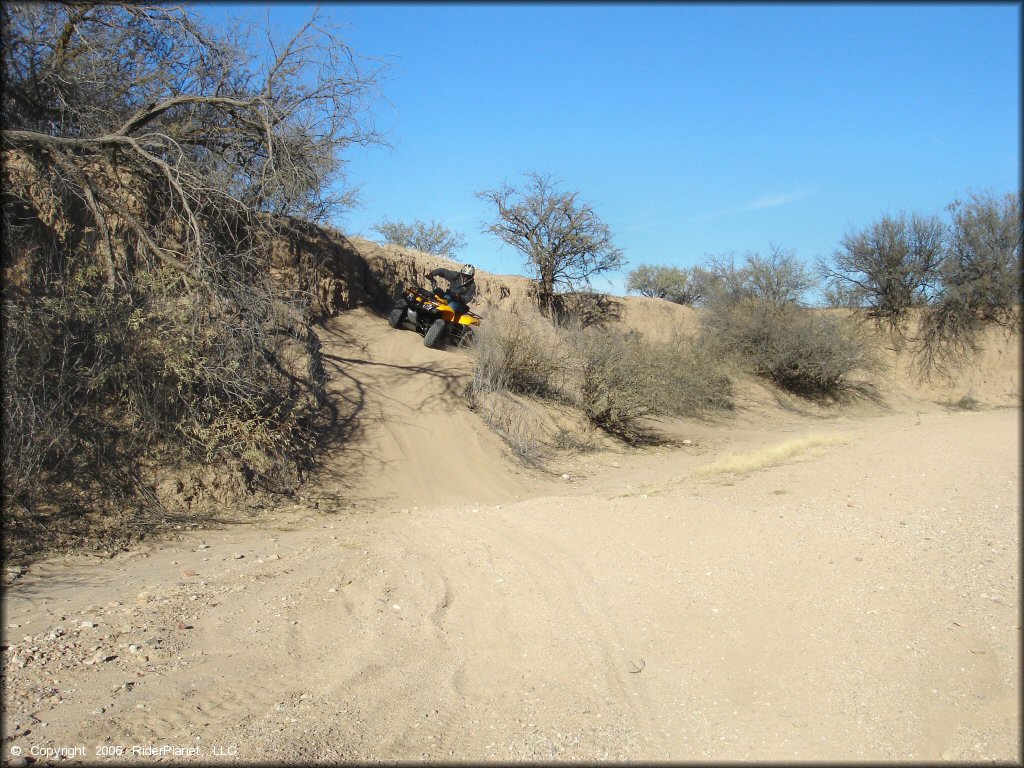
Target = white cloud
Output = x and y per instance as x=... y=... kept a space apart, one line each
x=774 y=201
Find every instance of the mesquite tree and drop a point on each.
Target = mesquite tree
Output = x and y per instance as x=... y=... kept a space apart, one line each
x=564 y=241
x=433 y=237
x=777 y=279
x=681 y=286
x=980 y=282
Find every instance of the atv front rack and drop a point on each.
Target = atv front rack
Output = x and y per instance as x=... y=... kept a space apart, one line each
x=420 y=295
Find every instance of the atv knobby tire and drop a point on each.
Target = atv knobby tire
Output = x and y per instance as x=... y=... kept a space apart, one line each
x=434 y=333
x=397 y=315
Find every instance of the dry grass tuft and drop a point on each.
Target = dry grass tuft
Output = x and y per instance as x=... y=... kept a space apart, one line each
x=746 y=463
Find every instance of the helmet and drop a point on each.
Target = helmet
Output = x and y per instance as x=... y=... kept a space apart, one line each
x=467 y=272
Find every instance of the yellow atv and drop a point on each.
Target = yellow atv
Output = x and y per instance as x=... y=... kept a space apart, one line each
x=429 y=313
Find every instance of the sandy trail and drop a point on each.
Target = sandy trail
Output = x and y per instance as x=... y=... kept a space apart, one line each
x=417 y=440
x=859 y=601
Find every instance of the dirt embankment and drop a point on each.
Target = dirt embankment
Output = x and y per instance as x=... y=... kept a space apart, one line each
x=780 y=586
x=342 y=273
x=354 y=272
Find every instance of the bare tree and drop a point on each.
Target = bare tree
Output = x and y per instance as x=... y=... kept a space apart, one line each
x=889 y=267
x=778 y=278
x=980 y=282
x=840 y=295
x=564 y=241
x=432 y=237
x=149 y=89
x=725 y=280
x=983 y=262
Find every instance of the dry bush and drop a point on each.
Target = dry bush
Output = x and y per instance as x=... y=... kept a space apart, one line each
x=693 y=379
x=147 y=165
x=810 y=353
x=964 y=277
x=614 y=377
x=889 y=268
x=948 y=335
x=613 y=383
x=620 y=379
x=587 y=308
x=517 y=352
x=681 y=286
x=778 y=278
x=981 y=284
x=97 y=385
x=429 y=237
x=513 y=422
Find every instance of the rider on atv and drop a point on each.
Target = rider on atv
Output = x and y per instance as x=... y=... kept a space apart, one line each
x=461 y=287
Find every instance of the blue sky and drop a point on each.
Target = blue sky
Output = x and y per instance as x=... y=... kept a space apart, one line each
x=691 y=129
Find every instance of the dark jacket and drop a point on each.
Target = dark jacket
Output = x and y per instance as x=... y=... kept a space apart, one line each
x=459 y=290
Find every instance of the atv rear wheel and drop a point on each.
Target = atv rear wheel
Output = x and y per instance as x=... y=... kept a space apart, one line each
x=434 y=333
x=397 y=315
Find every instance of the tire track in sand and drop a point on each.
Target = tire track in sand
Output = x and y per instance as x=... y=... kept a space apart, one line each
x=534 y=651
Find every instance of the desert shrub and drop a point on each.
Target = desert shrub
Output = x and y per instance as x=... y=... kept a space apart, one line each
x=810 y=353
x=614 y=377
x=612 y=382
x=958 y=278
x=840 y=296
x=779 y=278
x=982 y=263
x=100 y=384
x=516 y=352
x=587 y=308
x=980 y=284
x=620 y=379
x=511 y=419
x=965 y=403
x=692 y=378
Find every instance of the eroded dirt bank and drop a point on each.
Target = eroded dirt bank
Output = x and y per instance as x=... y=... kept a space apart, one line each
x=857 y=601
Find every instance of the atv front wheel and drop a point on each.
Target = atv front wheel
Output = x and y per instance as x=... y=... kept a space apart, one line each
x=434 y=333
x=397 y=315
